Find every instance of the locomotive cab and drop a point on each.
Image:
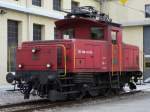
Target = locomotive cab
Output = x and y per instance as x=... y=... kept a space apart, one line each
x=89 y=29
x=80 y=28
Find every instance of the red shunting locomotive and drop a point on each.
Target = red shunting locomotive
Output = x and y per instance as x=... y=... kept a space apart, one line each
x=87 y=56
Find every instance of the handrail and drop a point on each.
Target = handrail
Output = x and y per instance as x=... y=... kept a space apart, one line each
x=74 y=56
x=142 y=64
x=120 y=57
x=112 y=65
x=65 y=59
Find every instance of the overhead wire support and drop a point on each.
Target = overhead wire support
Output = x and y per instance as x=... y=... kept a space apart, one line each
x=89 y=12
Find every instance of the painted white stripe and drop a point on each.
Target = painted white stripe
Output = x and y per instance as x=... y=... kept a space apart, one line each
x=30 y=10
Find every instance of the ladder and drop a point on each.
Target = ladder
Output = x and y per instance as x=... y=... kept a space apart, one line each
x=115 y=75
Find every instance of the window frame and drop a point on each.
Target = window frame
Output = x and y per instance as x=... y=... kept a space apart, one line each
x=101 y=29
x=37 y=3
x=69 y=29
x=77 y=3
x=146 y=15
x=36 y=36
x=12 y=43
x=147 y=64
x=114 y=41
x=57 y=5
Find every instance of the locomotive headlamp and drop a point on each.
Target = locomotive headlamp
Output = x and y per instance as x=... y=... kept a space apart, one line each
x=34 y=50
x=20 y=65
x=48 y=65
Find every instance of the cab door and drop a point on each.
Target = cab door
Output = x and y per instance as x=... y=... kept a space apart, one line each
x=89 y=56
x=115 y=48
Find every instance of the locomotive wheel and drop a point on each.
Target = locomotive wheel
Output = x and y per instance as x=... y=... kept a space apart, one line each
x=80 y=95
x=55 y=95
x=116 y=91
x=109 y=92
x=94 y=92
x=103 y=91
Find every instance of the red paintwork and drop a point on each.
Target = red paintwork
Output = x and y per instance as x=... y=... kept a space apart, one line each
x=83 y=54
x=25 y=57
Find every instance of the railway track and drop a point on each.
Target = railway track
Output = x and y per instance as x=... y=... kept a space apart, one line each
x=45 y=104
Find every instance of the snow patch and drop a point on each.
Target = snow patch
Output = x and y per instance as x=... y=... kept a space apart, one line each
x=9 y=97
x=147 y=80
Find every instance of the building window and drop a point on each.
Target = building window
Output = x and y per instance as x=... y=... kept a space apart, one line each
x=57 y=5
x=37 y=32
x=12 y=41
x=36 y=2
x=74 y=5
x=147 y=11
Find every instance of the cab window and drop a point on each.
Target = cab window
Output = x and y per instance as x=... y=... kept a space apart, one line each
x=57 y=33
x=114 y=37
x=68 y=34
x=97 y=33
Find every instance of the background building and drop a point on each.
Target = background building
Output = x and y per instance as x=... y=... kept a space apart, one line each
x=27 y=20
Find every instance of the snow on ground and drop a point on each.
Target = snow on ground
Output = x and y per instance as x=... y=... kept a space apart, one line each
x=8 y=97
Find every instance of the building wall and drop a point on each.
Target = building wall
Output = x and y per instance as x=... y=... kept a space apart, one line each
x=134 y=36
x=134 y=10
x=19 y=2
x=26 y=22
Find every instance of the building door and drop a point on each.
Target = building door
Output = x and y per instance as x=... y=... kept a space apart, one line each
x=146 y=46
x=12 y=43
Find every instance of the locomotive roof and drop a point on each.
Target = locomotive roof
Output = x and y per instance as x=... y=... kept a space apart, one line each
x=79 y=20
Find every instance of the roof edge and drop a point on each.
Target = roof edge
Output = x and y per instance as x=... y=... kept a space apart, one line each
x=29 y=10
x=136 y=23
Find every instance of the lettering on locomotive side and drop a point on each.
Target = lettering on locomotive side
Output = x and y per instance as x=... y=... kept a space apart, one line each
x=85 y=52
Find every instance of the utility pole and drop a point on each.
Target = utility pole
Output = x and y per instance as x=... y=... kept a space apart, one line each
x=102 y=4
